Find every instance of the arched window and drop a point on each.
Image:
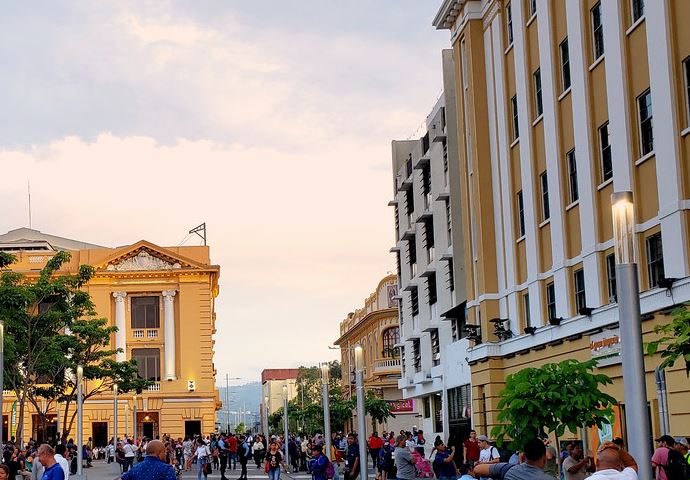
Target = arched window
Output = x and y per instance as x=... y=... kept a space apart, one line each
x=391 y=336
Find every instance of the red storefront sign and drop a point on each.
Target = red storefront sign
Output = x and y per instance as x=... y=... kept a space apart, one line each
x=401 y=406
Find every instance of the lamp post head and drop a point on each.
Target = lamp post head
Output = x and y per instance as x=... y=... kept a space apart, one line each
x=80 y=373
x=623 y=215
x=285 y=391
x=115 y=388
x=359 y=358
x=325 y=373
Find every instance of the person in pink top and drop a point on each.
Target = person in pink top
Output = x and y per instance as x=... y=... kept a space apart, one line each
x=660 y=458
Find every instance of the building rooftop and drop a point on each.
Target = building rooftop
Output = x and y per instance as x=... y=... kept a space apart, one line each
x=28 y=239
x=278 y=374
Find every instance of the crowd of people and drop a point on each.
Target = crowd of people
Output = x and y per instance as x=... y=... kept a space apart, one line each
x=402 y=456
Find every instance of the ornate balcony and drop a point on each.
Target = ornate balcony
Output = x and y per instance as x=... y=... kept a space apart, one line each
x=386 y=365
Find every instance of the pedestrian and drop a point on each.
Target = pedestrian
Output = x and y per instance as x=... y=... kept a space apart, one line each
x=386 y=463
x=274 y=462
x=471 y=448
x=232 y=450
x=375 y=444
x=153 y=466
x=187 y=448
x=203 y=459
x=223 y=455
x=130 y=452
x=404 y=462
x=682 y=447
x=614 y=463
x=577 y=466
x=319 y=464
x=352 y=460
x=60 y=451
x=488 y=454
x=444 y=465
x=668 y=461
x=551 y=467
x=419 y=442
x=531 y=469
x=4 y=471
x=466 y=471
x=258 y=451
x=243 y=453
x=53 y=470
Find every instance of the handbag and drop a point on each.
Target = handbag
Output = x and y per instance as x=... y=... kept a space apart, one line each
x=208 y=468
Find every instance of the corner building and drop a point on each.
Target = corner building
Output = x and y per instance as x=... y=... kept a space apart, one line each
x=431 y=269
x=162 y=301
x=560 y=103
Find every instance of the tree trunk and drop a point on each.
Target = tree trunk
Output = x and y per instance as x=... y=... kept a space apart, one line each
x=20 y=426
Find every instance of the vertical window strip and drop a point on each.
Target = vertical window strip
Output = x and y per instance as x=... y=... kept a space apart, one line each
x=516 y=125
x=565 y=64
x=597 y=31
x=546 y=213
x=605 y=150
x=655 y=259
x=539 y=105
x=580 y=297
x=644 y=103
x=611 y=277
x=573 y=192
x=521 y=213
x=637 y=10
x=550 y=301
x=509 y=23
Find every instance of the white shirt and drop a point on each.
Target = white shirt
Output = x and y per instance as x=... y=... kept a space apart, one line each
x=202 y=451
x=130 y=450
x=488 y=454
x=64 y=464
x=628 y=473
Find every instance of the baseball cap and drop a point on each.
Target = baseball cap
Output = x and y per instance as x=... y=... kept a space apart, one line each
x=482 y=438
x=667 y=439
x=682 y=441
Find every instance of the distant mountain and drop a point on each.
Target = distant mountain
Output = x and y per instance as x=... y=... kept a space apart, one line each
x=244 y=403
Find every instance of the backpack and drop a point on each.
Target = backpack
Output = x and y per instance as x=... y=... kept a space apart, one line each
x=677 y=468
x=330 y=471
x=244 y=452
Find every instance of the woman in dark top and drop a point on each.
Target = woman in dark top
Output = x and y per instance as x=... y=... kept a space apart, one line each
x=274 y=460
x=12 y=463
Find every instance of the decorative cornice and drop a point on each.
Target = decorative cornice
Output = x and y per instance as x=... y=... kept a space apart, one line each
x=446 y=15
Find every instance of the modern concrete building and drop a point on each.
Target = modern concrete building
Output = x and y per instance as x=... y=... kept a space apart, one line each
x=431 y=268
x=162 y=301
x=557 y=103
x=272 y=382
x=376 y=328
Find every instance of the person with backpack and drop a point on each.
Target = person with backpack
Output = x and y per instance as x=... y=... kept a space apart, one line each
x=386 y=465
x=669 y=462
x=682 y=447
x=488 y=453
x=320 y=466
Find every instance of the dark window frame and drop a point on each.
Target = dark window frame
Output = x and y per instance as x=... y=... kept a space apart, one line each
x=646 y=122
x=435 y=347
x=611 y=278
x=655 y=258
x=597 y=31
x=579 y=289
x=509 y=23
x=526 y=310
x=521 y=214
x=538 y=100
x=564 y=49
x=516 y=121
x=432 y=288
x=636 y=10
x=151 y=361
x=146 y=305
x=605 y=152
x=573 y=189
x=414 y=301
x=550 y=300
x=389 y=338
x=544 y=183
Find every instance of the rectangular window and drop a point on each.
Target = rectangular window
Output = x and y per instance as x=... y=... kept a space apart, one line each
x=686 y=71
x=637 y=9
x=145 y=312
x=644 y=103
x=550 y=301
x=435 y=348
x=521 y=214
x=605 y=146
x=429 y=241
x=455 y=328
x=655 y=259
x=597 y=31
x=449 y=223
x=532 y=8
x=432 y=289
x=416 y=356
x=445 y=164
x=425 y=143
x=546 y=214
x=509 y=23
x=427 y=407
x=538 y=103
x=573 y=194
x=611 y=277
x=565 y=64
x=451 y=275
x=580 y=300
x=414 y=301
x=412 y=256
x=465 y=72
x=148 y=363
x=525 y=306
x=516 y=125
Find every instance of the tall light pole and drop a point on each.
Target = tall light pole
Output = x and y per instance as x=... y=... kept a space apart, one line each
x=361 y=420
x=628 y=292
x=80 y=421
x=326 y=409
x=266 y=415
x=134 y=421
x=115 y=414
x=2 y=375
x=285 y=425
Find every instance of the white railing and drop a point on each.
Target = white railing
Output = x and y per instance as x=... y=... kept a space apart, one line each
x=138 y=333
x=37 y=258
x=152 y=333
x=386 y=364
x=154 y=387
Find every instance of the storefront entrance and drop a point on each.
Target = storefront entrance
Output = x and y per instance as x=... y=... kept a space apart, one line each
x=191 y=428
x=43 y=433
x=148 y=425
x=99 y=432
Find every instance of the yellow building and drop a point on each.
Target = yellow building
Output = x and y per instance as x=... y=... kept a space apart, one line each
x=556 y=103
x=162 y=301
x=375 y=327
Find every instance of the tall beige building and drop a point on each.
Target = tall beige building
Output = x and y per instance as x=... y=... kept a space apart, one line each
x=560 y=103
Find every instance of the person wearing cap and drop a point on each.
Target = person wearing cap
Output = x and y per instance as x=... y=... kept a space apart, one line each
x=444 y=465
x=682 y=447
x=660 y=457
x=488 y=454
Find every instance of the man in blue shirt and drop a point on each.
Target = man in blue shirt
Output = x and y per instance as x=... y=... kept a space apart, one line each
x=444 y=466
x=153 y=467
x=53 y=470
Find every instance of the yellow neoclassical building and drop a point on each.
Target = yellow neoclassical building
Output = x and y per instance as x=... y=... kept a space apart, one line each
x=162 y=301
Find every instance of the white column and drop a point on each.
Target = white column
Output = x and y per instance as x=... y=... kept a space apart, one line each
x=169 y=313
x=666 y=128
x=121 y=334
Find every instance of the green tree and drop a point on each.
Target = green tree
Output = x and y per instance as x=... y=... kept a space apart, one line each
x=240 y=429
x=377 y=408
x=675 y=340
x=551 y=398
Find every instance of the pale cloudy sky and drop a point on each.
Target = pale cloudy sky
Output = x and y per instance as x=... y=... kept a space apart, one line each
x=269 y=120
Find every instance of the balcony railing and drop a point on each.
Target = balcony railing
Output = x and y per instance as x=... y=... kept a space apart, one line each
x=154 y=387
x=386 y=365
x=148 y=333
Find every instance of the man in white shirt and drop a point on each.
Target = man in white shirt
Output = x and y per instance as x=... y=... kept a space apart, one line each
x=488 y=454
x=614 y=463
x=61 y=460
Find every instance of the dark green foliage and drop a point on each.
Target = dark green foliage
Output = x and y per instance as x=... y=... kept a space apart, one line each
x=549 y=399
x=675 y=340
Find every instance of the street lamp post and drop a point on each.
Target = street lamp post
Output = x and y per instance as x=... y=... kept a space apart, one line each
x=2 y=374
x=266 y=415
x=634 y=381
x=361 y=420
x=326 y=409
x=134 y=421
x=115 y=414
x=285 y=425
x=80 y=422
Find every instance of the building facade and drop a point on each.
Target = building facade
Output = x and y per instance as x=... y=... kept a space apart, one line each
x=556 y=103
x=272 y=382
x=162 y=301
x=431 y=265
x=375 y=327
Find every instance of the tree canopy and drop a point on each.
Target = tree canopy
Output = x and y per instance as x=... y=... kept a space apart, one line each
x=674 y=340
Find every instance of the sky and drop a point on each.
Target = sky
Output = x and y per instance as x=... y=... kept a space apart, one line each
x=271 y=121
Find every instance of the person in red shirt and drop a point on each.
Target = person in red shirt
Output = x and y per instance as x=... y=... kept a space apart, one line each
x=471 y=448
x=375 y=446
x=231 y=443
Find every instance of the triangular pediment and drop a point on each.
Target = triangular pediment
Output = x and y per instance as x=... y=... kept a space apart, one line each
x=145 y=256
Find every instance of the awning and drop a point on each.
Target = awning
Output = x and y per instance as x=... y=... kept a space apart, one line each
x=457 y=312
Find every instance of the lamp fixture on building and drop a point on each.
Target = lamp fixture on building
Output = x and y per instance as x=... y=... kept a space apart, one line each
x=530 y=330
x=586 y=311
x=555 y=321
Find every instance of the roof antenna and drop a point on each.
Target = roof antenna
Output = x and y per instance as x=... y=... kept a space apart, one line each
x=201 y=228
x=28 y=185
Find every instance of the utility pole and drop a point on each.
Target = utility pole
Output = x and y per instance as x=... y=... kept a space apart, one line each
x=227 y=401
